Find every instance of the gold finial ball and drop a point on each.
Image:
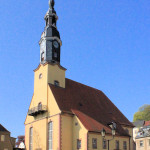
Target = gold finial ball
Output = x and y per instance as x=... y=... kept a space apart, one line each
x=51 y=4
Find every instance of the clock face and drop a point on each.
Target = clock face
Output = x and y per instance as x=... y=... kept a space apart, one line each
x=55 y=43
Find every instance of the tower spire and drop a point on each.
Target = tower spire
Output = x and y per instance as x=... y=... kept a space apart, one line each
x=50 y=42
x=51 y=4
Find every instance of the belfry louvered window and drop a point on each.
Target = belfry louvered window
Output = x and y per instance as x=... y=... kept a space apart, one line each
x=42 y=56
x=50 y=136
x=31 y=139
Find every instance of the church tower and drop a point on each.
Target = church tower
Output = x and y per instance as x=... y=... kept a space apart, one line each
x=50 y=42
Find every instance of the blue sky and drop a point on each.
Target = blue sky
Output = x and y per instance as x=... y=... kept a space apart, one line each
x=106 y=45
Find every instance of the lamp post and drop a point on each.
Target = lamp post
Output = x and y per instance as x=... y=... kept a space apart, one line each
x=113 y=131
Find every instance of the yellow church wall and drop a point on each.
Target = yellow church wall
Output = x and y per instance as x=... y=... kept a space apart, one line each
x=66 y=132
x=56 y=131
x=79 y=132
x=53 y=108
x=39 y=131
x=42 y=92
x=55 y=73
x=40 y=86
x=112 y=143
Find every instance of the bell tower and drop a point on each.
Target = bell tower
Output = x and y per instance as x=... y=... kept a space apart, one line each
x=50 y=42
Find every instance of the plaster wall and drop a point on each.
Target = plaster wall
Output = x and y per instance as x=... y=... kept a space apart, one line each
x=79 y=132
x=146 y=143
x=66 y=132
x=112 y=143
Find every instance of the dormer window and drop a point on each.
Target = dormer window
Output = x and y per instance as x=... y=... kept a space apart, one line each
x=56 y=83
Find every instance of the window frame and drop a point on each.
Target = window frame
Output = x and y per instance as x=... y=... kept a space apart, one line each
x=79 y=146
x=124 y=145
x=42 y=56
x=31 y=138
x=40 y=76
x=56 y=83
x=141 y=143
x=94 y=143
x=117 y=144
x=50 y=135
x=40 y=106
x=2 y=138
x=104 y=144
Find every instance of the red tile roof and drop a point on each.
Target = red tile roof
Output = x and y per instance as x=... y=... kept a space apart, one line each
x=91 y=106
x=147 y=123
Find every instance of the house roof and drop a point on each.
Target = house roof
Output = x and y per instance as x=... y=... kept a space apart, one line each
x=90 y=105
x=147 y=123
x=139 y=123
x=3 y=129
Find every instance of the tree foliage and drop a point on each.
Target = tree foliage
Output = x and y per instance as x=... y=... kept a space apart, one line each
x=143 y=113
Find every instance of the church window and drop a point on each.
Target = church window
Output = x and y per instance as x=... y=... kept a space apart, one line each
x=94 y=143
x=40 y=106
x=56 y=83
x=104 y=144
x=124 y=145
x=50 y=136
x=2 y=138
x=40 y=76
x=78 y=144
x=31 y=139
x=42 y=56
x=117 y=145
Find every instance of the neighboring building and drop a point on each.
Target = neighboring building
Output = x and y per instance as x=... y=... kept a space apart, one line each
x=6 y=142
x=67 y=115
x=143 y=138
x=20 y=141
x=138 y=124
x=22 y=145
x=136 y=130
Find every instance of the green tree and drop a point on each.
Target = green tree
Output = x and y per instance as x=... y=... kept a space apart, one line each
x=143 y=113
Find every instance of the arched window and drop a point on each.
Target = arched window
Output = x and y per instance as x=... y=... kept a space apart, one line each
x=31 y=139
x=50 y=136
x=46 y=21
x=42 y=56
x=40 y=106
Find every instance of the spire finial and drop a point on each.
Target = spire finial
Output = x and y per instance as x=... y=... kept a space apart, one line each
x=51 y=4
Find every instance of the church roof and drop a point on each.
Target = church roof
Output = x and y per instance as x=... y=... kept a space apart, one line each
x=91 y=106
x=3 y=129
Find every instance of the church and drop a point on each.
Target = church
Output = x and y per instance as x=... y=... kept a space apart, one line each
x=67 y=115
